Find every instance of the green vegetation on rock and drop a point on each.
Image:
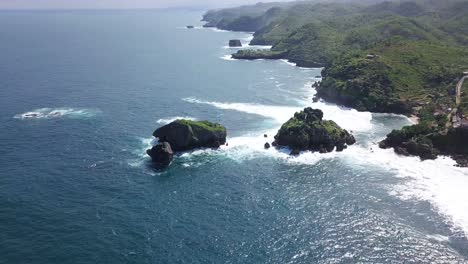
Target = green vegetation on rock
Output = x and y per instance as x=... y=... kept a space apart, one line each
x=258 y=54
x=202 y=125
x=307 y=131
x=187 y=134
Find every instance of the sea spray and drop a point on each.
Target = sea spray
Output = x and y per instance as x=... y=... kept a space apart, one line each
x=62 y=112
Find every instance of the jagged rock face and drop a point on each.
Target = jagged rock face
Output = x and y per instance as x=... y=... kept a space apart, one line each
x=455 y=142
x=307 y=131
x=161 y=154
x=235 y=43
x=188 y=135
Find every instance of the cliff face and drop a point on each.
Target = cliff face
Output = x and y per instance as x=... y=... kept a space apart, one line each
x=363 y=84
x=427 y=142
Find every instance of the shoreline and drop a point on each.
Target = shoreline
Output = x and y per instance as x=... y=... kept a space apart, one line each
x=429 y=185
x=409 y=168
x=414 y=119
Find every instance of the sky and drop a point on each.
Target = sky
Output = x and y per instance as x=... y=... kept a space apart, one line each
x=119 y=4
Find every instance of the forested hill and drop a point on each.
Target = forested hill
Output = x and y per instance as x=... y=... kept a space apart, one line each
x=401 y=57
x=420 y=47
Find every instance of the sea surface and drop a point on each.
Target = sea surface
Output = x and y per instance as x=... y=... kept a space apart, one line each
x=81 y=93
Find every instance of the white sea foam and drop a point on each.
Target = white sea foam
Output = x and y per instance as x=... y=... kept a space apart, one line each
x=345 y=117
x=279 y=113
x=248 y=38
x=259 y=47
x=217 y=29
x=49 y=113
x=140 y=153
x=228 y=57
x=234 y=48
x=165 y=121
x=289 y=63
x=436 y=181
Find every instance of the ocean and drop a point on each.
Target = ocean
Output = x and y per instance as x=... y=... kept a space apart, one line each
x=81 y=93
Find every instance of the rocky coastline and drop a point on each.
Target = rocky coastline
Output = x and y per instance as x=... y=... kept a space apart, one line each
x=400 y=64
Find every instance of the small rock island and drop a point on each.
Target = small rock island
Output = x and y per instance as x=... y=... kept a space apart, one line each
x=184 y=135
x=190 y=27
x=235 y=43
x=308 y=131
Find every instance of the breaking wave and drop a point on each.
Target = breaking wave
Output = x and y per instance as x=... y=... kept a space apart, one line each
x=50 y=113
x=165 y=121
x=345 y=117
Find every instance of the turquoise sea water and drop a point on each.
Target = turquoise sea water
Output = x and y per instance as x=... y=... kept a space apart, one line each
x=80 y=95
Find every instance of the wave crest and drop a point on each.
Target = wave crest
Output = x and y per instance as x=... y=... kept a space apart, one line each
x=63 y=112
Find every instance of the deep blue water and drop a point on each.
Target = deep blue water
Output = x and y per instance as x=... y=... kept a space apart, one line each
x=80 y=95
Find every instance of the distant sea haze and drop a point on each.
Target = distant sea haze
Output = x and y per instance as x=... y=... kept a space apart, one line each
x=121 y=4
x=76 y=186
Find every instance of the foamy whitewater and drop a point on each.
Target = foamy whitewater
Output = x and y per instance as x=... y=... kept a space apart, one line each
x=63 y=112
x=439 y=181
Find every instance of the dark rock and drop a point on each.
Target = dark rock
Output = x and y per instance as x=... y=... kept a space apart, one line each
x=267 y=145
x=265 y=136
x=341 y=147
x=401 y=151
x=414 y=140
x=307 y=131
x=190 y=27
x=424 y=150
x=187 y=134
x=315 y=99
x=161 y=154
x=350 y=140
x=274 y=144
x=235 y=43
x=295 y=152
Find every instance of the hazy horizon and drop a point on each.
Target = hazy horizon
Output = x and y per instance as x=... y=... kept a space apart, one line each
x=121 y=4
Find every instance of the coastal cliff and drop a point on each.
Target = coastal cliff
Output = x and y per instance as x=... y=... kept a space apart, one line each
x=403 y=58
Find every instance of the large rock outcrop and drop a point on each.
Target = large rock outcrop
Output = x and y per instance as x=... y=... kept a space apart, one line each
x=258 y=54
x=427 y=142
x=308 y=131
x=235 y=43
x=187 y=135
x=161 y=154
